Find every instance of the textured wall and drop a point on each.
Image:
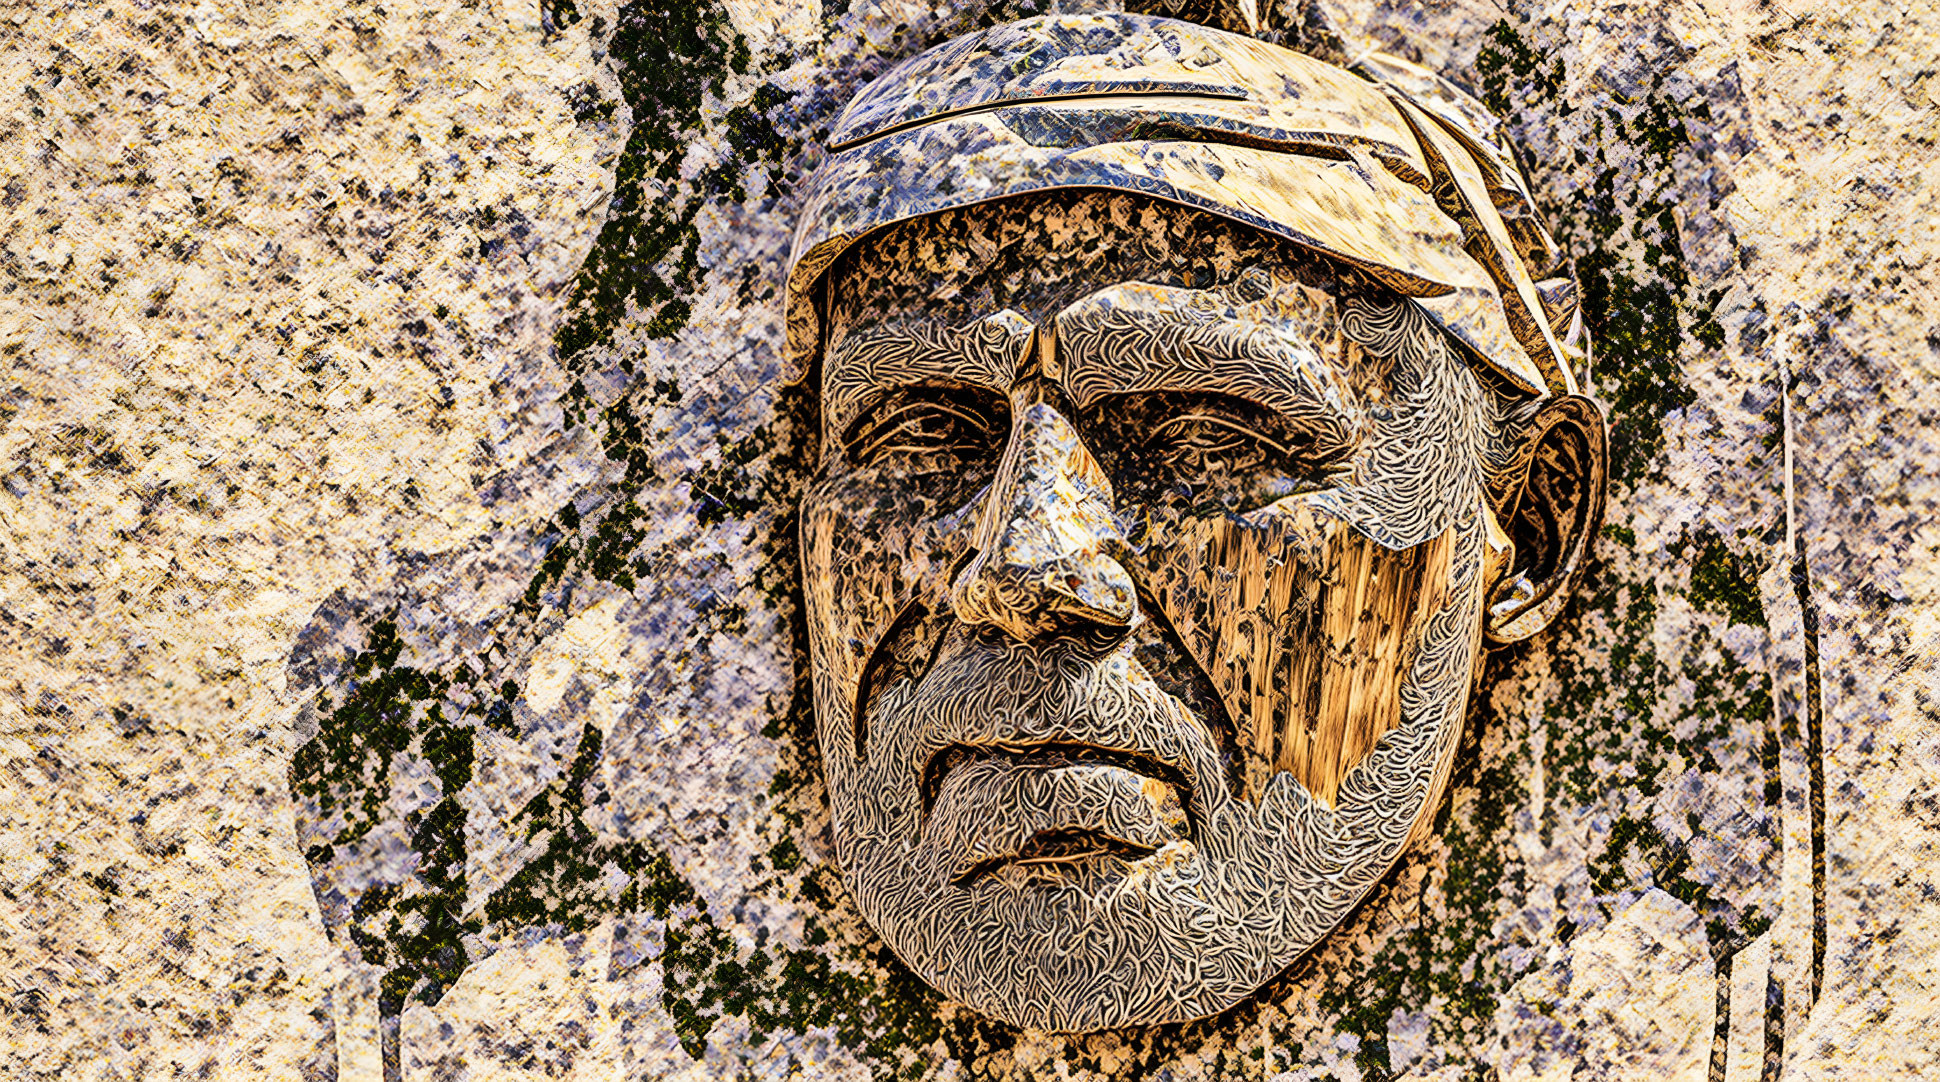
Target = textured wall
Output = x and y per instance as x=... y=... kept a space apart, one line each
x=397 y=640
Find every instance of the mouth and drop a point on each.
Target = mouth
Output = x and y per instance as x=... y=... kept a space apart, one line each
x=1057 y=850
x=1050 y=755
x=1050 y=807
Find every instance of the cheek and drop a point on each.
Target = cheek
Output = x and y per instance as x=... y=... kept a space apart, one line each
x=1305 y=628
x=868 y=553
x=1240 y=592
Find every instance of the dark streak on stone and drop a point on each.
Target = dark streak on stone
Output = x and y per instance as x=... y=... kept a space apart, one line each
x=1774 y=1028
x=1814 y=755
x=1721 y=1030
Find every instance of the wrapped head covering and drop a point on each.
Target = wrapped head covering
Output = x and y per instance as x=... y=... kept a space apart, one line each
x=1390 y=170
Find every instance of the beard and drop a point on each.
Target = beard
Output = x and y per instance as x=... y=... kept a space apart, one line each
x=1062 y=833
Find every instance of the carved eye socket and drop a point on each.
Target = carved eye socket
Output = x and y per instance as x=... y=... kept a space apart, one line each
x=1209 y=447
x=924 y=430
x=1204 y=442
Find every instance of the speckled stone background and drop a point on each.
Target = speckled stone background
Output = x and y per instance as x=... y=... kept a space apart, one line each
x=398 y=648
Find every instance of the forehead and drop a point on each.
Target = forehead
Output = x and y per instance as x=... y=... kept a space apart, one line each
x=1034 y=256
x=1143 y=297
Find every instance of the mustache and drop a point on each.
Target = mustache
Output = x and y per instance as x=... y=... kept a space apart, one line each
x=1047 y=805
x=958 y=757
x=938 y=694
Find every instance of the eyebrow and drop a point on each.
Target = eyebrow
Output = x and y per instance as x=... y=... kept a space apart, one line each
x=1141 y=338
x=922 y=351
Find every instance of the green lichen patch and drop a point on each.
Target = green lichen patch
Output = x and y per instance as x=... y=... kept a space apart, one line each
x=564 y=885
x=557 y=16
x=1614 y=200
x=670 y=57
x=346 y=767
x=412 y=928
x=1724 y=583
x=1665 y=862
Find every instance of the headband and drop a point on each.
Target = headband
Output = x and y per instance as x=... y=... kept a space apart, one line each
x=1388 y=168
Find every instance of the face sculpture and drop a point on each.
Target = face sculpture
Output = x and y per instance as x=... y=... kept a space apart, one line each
x=1148 y=564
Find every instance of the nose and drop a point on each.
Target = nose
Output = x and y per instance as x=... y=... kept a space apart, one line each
x=1046 y=541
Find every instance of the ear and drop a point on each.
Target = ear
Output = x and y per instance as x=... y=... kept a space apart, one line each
x=1551 y=520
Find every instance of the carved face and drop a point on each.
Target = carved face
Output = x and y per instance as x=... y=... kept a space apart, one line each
x=1146 y=569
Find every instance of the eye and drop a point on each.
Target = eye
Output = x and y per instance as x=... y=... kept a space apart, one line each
x=1201 y=447
x=928 y=429
x=1205 y=442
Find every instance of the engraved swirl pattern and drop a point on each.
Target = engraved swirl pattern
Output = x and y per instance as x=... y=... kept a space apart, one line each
x=1237 y=866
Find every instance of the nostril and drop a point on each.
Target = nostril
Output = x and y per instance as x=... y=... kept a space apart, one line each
x=990 y=635
x=1085 y=635
x=963 y=561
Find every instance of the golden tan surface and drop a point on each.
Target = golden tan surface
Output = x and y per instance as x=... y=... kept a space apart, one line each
x=220 y=227
x=218 y=410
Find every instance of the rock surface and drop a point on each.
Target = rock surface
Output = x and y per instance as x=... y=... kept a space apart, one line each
x=398 y=653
